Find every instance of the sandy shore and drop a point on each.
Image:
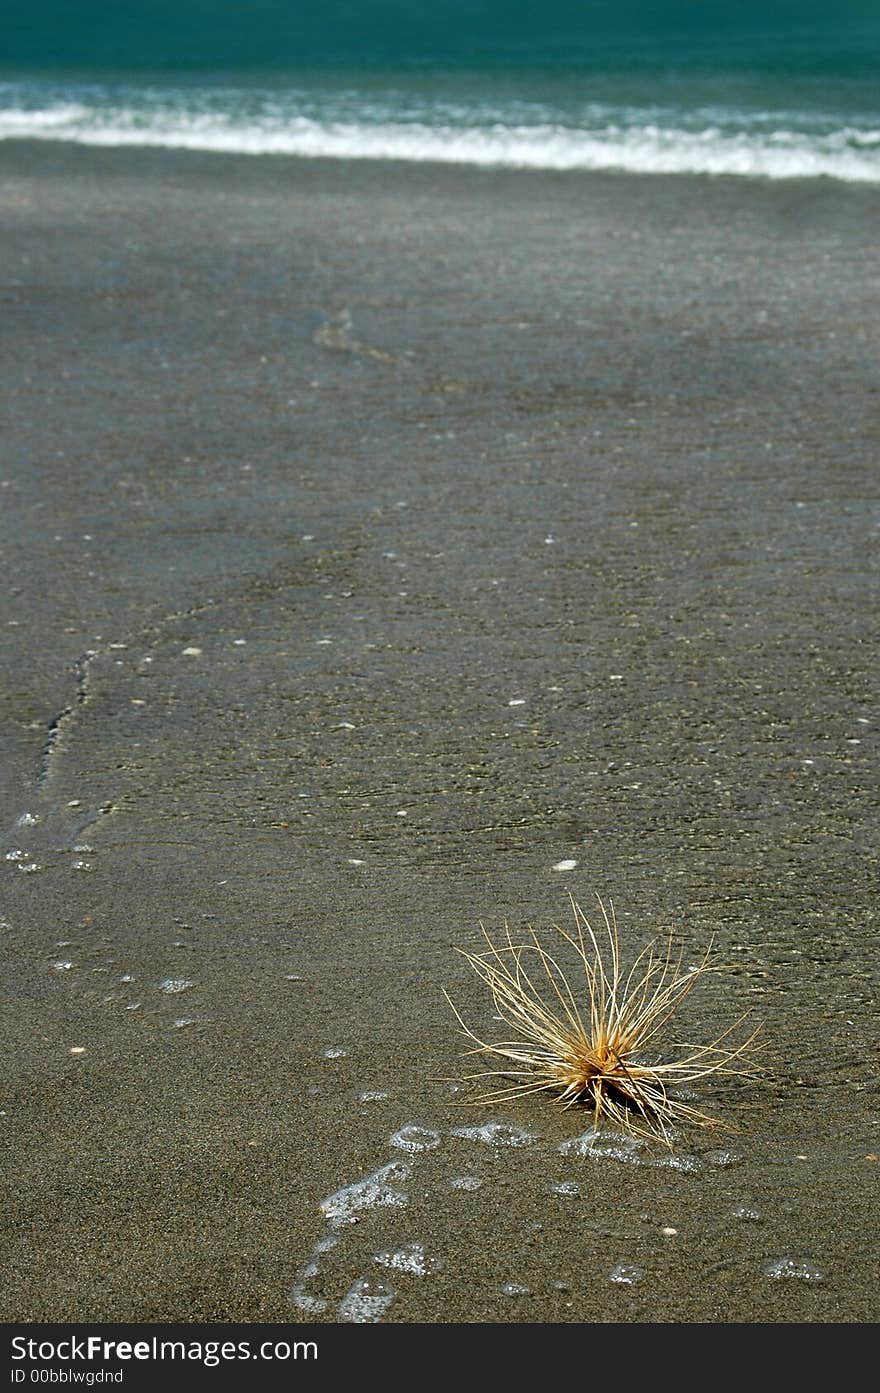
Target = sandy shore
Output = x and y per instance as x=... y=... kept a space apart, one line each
x=378 y=538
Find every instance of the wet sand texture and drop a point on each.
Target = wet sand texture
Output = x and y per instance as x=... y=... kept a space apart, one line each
x=378 y=539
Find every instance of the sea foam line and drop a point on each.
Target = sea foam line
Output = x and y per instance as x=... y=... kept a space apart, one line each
x=845 y=154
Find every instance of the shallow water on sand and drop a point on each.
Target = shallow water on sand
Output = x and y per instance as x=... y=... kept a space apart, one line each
x=407 y=549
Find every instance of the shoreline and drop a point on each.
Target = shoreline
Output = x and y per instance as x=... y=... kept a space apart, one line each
x=446 y=171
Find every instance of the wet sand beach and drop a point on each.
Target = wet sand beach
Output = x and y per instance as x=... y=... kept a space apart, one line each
x=377 y=540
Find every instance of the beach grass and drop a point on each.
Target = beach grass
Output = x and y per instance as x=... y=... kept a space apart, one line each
x=598 y=1048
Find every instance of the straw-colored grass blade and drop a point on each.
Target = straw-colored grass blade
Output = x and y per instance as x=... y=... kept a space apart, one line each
x=586 y=1043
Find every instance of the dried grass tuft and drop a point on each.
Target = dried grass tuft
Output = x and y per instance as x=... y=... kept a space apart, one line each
x=599 y=1053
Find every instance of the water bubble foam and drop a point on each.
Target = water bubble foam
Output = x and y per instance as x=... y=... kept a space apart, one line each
x=298 y=1296
x=687 y=1163
x=365 y=1302
x=496 y=1134
x=787 y=1266
x=314 y=1305
x=604 y=1145
x=410 y=1258
x=413 y=1137
x=723 y=1158
x=371 y=1192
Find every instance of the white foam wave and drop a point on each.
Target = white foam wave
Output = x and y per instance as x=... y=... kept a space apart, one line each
x=845 y=153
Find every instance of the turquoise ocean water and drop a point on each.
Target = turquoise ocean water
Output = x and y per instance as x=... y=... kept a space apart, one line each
x=776 y=90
